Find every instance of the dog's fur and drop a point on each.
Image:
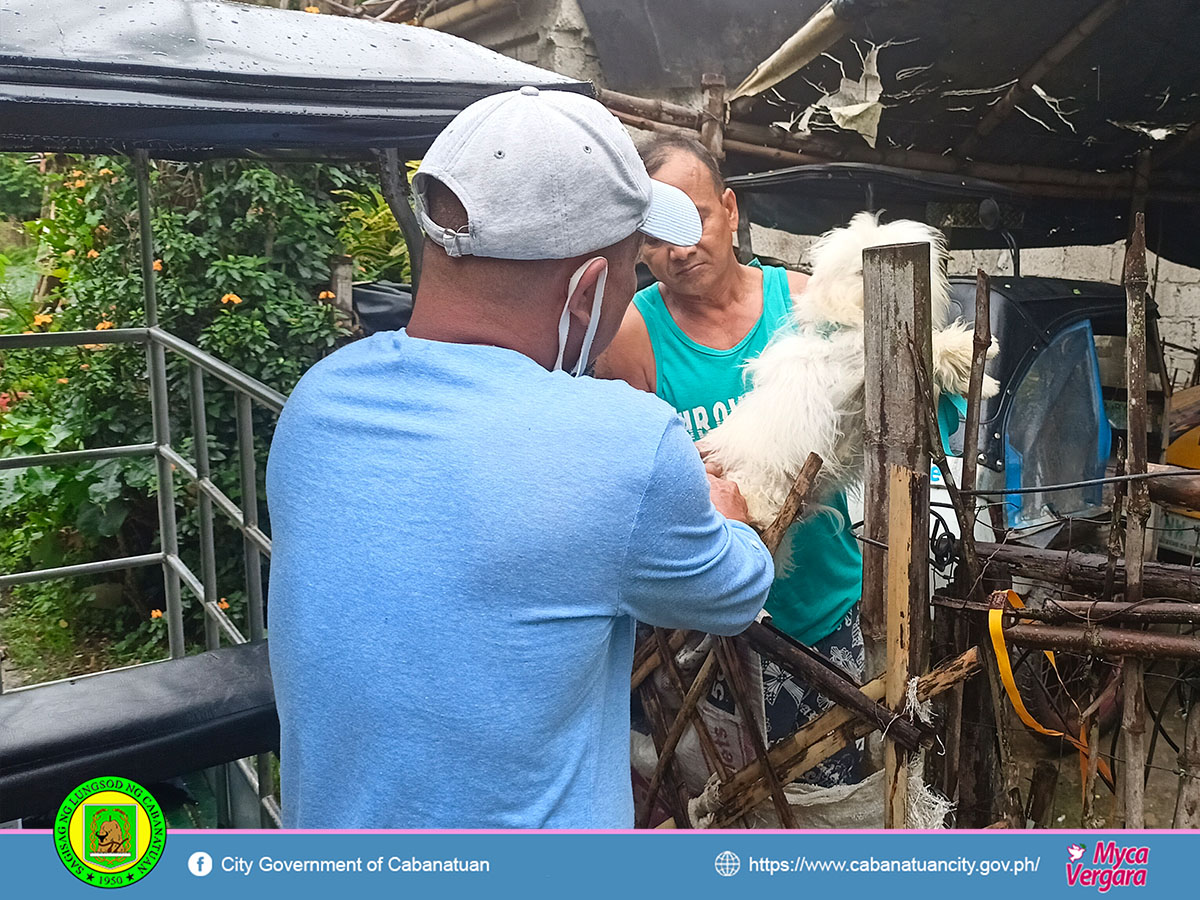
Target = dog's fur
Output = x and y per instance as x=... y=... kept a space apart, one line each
x=807 y=385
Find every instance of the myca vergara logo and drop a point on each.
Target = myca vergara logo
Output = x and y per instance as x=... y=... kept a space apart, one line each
x=1108 y=867
x=110 y=832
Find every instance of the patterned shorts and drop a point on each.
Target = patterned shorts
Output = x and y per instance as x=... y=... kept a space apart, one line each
x=792 y=704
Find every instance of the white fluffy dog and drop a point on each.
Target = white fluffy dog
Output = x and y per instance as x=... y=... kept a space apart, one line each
x=807 y=385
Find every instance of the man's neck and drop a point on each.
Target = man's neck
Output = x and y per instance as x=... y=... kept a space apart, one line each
x=453 y=318
x=738 y=286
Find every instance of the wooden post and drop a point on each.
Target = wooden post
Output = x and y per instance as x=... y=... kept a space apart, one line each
x=1187 y=803
x=712 y=121
x=341 y=283
x=393 y=183
x=896 y=289
x=1133 y=720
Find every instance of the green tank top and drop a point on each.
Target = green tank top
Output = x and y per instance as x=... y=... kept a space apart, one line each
x=703 y=385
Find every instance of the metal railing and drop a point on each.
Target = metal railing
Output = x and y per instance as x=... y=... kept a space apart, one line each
x=244 y=517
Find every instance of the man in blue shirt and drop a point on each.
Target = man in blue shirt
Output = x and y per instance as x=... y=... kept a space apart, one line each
x=464 y=534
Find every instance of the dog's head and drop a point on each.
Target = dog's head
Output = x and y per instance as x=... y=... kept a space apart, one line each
x=835 y=291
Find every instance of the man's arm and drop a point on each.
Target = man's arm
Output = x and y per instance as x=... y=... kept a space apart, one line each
x=630 y=356
x=687 y=566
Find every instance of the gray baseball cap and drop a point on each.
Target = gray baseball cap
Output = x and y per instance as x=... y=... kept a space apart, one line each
x=547 y=175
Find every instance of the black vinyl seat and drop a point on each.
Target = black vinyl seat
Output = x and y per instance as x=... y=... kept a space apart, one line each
x=147 y=723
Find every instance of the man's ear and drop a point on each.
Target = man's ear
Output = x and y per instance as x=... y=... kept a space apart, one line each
x=581 y=299
x=729 y=201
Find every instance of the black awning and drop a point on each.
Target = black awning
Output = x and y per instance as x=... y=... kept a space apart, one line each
x=202 y=77
x=810 y=200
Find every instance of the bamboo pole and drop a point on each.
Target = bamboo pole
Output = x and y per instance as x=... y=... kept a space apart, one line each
x=704 y=680
x=1134 y=714
x=727 y=653
x=817 y=741
x=793 y=504
x=712 y=122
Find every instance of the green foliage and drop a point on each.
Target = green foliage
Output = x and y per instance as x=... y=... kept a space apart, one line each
x=372 y=236
x=242 y=252
x=20 y=187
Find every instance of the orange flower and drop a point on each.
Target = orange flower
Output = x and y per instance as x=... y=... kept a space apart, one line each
x=326 y=295
x=75 y=173
x=43 y=319
x=158 y=265
x=103 y=229
x=92 y=254
x=104 y=326
x=79 y=183
x=62 y=381
x=105 y=172
x=93 y=346
x=156 y=613
x=223 y=603
x=312 y=9
x=84 y=366
x=69 y=253
x=231 y=298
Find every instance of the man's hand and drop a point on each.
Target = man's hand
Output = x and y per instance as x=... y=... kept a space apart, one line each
x=728 y=499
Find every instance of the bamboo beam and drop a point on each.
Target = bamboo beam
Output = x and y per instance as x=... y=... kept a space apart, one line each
x=1085 y=571
x=1180 y=491
x=465 y=14
x=1039 y=70
x=770 y=143
x=1100 y=641
x=817 y=741
x=1094 y=612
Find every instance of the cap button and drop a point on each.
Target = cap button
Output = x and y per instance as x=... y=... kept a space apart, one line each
x=530 y=91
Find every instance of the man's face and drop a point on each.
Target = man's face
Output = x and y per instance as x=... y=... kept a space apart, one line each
x=695 y=270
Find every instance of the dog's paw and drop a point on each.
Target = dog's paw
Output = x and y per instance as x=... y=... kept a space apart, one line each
x=991 y=387
x=993 y=349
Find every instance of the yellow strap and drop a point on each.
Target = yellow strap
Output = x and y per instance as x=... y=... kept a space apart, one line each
x=1004 y=664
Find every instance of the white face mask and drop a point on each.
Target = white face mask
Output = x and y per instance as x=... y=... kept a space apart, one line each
x=564 y=322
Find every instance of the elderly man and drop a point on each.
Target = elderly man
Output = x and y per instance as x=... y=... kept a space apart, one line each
x=464 y=534
x=686 y=339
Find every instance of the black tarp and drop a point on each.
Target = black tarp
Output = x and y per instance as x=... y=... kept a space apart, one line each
x=812 y=199
x=202 y=77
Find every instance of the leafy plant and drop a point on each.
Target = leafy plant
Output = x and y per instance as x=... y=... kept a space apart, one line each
x=242 y=252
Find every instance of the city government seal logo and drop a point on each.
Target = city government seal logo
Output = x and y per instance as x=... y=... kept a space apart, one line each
x=110 y=832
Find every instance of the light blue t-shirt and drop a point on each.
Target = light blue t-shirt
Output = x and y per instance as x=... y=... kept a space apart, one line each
x=461 y=543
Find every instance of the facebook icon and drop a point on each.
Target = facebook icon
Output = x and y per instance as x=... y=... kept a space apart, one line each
x=200 y=864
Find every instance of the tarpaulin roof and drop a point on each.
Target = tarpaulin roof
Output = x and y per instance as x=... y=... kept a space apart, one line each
x=1103 y=80
x=195 y=77
x=812 y=199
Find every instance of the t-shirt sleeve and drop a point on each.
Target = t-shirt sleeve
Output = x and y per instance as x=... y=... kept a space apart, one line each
x=686 y=565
